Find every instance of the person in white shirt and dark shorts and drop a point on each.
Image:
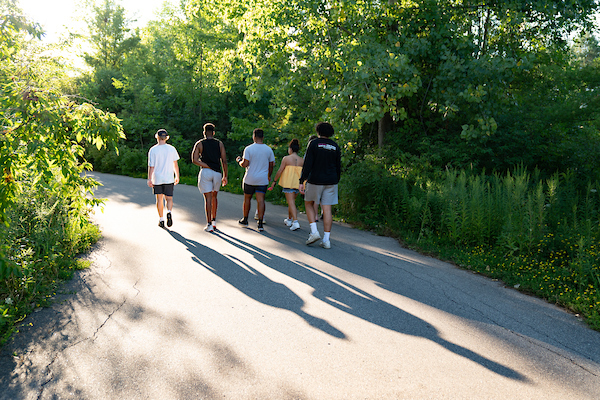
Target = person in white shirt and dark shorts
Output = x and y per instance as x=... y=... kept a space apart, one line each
x=163 y=175
x=259 y=160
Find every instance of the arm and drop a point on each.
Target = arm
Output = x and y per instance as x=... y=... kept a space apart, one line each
x=223 y=164
x=279 y=171
x=339 y=164
x=271 y=167
x=306 y=167
x=176 y=169
x=150 y=173
x=242 y=162
x=196 y=155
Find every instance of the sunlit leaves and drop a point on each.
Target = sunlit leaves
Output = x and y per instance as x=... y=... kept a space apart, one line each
x=42 y=135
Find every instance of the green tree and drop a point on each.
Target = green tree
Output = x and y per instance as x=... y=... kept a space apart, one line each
x=448 y=66
x=111 y=40
x=586 y=48
x=109 y=35
x=42 y=131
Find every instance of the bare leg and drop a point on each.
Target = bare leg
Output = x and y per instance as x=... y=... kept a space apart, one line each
x=247 y=199
x=292 y=211
x=215 y=204
x=260 y=204
x=169 y=202
x=208 y=206
x=310 y=211
x=327 y=218
x=160 y=198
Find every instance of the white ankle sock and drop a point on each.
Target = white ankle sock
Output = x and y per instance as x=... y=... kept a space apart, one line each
x=326 y=236
x=313 y=227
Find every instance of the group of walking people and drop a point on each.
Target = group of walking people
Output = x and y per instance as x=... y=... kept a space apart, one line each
x=315 y=176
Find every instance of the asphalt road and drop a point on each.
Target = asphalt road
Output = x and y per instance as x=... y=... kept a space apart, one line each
x=186 y=314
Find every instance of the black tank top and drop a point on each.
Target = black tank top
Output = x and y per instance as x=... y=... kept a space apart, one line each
x=211 y=153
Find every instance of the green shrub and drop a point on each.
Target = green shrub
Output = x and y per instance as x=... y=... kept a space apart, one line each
x=538 y=234
x=40 y=247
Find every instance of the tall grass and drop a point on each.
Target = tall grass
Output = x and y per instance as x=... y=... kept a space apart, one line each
x=539 y=235
x=39 y=247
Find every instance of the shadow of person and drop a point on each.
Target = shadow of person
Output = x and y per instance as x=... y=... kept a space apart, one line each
x=355 y=301
x=253 y=283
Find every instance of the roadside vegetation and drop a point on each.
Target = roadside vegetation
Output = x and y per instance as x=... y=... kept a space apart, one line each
x=44 y=196
x=470 y=129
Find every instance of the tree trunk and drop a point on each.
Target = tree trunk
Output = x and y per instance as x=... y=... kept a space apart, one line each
x=383 y=127
x=486 y=33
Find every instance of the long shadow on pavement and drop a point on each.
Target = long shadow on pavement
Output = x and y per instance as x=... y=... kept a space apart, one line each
x=254 y=284
x=342 y=295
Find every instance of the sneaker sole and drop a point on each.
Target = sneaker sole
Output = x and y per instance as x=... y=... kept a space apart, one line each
x=311 y=241
x=169 y=220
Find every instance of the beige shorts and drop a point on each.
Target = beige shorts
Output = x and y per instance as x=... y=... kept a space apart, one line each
x=209 y=180
x=326 y=195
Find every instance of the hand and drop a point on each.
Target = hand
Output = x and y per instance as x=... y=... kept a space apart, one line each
x=301 y=188
x=224 y=181
x=238 y=159
x=149 y=182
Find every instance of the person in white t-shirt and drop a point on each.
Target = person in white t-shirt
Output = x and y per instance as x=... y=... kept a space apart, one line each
x=163 y=175
x=259 y=160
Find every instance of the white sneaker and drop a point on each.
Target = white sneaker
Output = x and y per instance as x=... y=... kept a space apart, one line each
x=295 y=225
x=313 y=237
x=256 y=215
x=209 y=228
x=287 y=221
x=325 y=245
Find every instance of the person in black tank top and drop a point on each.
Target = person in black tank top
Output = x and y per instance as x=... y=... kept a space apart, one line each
x=209 y=154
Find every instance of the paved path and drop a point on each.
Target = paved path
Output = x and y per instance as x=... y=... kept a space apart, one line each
x=184 y=314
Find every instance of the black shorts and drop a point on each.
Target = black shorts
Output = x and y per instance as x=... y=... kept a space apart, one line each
x=166 y=189
x=251 y=189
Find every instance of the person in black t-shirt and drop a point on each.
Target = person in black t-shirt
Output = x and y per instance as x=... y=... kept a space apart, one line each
x=319 y=181
x=209 y=154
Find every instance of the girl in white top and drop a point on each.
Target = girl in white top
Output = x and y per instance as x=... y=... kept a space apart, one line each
x=289 y=179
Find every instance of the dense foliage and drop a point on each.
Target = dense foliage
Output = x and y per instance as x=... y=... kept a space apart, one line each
x=43 y=193
x=460 y=84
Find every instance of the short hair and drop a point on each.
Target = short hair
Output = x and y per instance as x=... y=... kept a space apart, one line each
x=258 y=133
x=324 y=129
x=208 y=127
x=294 y=145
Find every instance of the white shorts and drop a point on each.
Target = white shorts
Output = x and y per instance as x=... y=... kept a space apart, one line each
x=326 y=195
x=209 y=180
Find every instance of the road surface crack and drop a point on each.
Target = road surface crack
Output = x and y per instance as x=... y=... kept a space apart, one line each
x=93 y=337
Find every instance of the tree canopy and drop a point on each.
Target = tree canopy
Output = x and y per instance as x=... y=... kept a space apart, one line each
x=459 y=83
